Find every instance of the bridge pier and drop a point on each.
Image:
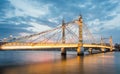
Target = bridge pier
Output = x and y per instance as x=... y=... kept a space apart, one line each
x=63 y=51
x=111 y=49
x=90 y=50
x=80 y=51
x=103 y=50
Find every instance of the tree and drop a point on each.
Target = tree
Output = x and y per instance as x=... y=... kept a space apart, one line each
x=117 y=46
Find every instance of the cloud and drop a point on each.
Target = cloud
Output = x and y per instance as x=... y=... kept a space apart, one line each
x=40 y=15
x=35 y=27
x=23 y=34
x=113 y=1
x=82 y=5
x=97 y=25
x=24 y=15
x=27 y=8
x=112 y=24
x=107 y=21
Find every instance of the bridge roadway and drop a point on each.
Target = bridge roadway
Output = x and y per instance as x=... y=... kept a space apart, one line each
x=15 y=46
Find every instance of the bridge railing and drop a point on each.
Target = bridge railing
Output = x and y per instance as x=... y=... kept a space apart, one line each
x=33 y=44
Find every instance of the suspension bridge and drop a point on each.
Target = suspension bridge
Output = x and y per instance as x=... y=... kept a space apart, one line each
x=74 y=34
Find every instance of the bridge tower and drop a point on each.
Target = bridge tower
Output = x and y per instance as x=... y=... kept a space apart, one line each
x=63 y=50
x=80 y=50
x=102 y=43
x=111 y=43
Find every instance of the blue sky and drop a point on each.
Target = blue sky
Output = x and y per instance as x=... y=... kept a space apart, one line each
x=23 y=17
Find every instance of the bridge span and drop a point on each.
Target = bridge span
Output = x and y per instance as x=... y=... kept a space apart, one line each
x=34 y=46
x=66 y=36
x=15 y=46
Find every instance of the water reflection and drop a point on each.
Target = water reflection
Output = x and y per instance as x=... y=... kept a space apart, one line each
x=70 y=64
x=63 y=57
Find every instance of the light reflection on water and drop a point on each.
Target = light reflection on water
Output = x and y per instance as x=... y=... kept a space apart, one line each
x=51 y=62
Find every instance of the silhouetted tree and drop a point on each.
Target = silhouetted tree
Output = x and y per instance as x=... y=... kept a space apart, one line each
x=117 y=46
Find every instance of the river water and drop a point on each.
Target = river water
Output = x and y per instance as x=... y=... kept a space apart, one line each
x=51 y=62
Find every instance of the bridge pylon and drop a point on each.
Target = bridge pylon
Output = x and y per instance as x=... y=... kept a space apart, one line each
x=80 y=49
x=102 y=43
x=63 y=50
x=111 y=43
x=103 y=50
x=90 y=50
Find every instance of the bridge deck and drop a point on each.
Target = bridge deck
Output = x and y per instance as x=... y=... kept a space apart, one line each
x=8 y=46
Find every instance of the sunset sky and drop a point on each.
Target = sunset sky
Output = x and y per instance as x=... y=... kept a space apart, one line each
x=23 y=17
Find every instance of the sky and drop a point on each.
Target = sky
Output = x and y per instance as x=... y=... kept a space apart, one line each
x=24 y=17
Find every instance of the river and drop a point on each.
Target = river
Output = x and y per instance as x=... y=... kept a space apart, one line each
x=51 y=62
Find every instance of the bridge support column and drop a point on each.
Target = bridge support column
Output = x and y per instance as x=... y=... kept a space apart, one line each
x=103 y=50
x=111 y=49
x=63 y=51
x=80 y=51
x=111 y=43
x=90 y=50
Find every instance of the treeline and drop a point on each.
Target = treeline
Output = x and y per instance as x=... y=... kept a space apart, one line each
x=117 y=46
